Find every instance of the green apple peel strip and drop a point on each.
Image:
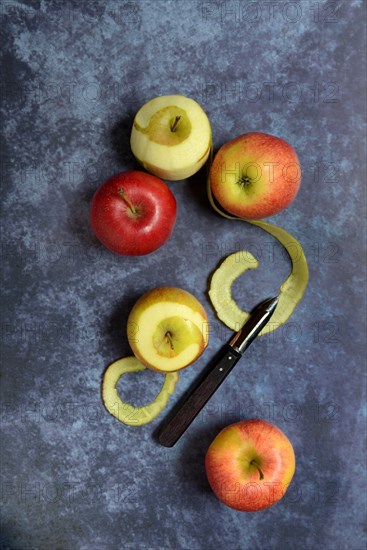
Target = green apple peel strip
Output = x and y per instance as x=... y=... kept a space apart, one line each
x=125 y=412
x=291 y=291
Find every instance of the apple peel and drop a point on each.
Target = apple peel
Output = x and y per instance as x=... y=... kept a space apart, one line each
x=125 y=412
x=221 y=284
x=291 y=291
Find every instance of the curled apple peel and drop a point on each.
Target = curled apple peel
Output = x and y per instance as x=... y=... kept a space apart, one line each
x=125 y=412
x=221 y=284
x=291 y=291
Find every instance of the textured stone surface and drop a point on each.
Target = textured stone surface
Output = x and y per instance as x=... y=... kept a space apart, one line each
x=75 y=74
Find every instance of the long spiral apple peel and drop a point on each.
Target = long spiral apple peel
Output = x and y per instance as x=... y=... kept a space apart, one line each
x=221 y=285
x=291 y=291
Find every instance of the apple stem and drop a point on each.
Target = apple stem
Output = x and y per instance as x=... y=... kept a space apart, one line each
x=174 y=125
x=254 y=463
x=122 y=194
x=168 y=336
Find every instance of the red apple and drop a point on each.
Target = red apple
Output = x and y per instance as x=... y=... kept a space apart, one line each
x=250 y=464
x=133 y=213
x=255 y=175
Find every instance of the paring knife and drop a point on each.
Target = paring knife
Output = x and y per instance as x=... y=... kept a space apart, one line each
x=196 y=400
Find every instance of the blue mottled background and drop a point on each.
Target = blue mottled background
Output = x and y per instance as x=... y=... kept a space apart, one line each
x=73 y=477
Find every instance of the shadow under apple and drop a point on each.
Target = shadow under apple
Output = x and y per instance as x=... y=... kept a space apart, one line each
x=78 y=217
x=196 y=187
x=115 y=331
x=120 y=142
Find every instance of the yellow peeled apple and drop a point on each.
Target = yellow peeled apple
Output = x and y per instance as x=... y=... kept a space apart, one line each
x=168 y=329
x=171 y=137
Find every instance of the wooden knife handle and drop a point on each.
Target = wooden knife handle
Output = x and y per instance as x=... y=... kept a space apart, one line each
x=182 y=419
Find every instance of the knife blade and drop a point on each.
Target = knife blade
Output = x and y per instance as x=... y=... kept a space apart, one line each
x=202 y=392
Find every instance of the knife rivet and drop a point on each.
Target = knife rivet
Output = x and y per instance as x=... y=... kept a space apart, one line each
x=220 y=370
x=230 y=357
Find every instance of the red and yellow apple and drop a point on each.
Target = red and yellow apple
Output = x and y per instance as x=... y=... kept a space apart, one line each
x=255 y=175
x=133 y=213
x=250 y=465
x=171 y=137
x=168 y=329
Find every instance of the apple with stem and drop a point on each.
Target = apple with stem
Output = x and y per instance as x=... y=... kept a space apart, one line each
x=255 y=175
x=171 y=137
x=133 y=213
x=168 y=329
x=250 y=465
